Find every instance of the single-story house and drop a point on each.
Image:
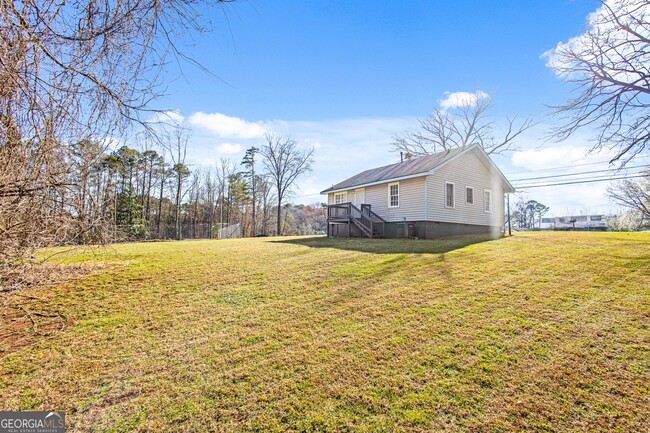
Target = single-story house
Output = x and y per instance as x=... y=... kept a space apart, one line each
x=459 y=191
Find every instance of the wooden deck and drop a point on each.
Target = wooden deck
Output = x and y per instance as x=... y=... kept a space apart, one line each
x=342 y=217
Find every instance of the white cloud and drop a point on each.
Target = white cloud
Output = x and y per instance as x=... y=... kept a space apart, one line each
x=606 y=43
x=461 y=99
x=229 y=148
x=548 y=157
x=557 y=156
x=227 y=126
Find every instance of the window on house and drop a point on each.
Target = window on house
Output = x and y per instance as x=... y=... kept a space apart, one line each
x=393 y=195
x=469 y=193
x=449 y=194
x=596 y=218
x=341 y=197
x=487 y=200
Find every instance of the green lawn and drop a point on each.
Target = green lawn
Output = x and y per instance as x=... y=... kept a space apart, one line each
x=537 y=332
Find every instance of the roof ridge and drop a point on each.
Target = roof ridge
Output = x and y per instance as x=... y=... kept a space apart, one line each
x=410 y=168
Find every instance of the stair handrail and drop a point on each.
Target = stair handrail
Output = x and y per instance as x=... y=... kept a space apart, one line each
x=361 y=217
x=367 y=208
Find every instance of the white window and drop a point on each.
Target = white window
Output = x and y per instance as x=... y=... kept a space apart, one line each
x=393 y=194
x=341 y=197
x=469 y=194
x=487 y=200
x=449 y=195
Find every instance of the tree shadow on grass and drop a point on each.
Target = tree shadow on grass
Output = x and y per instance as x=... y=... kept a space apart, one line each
x=390 y=246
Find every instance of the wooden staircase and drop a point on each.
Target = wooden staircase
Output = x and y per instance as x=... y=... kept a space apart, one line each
x=369 y=223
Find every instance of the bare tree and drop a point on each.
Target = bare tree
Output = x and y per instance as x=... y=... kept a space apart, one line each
x=210 y=183
x=224 y=172
x=633 y=194
x=163 y=172
x=609 y=68
x=463 y=123
x=265 y=189
x=175 y=142
x=284 y=163
x=72 y=71
x=629 y=221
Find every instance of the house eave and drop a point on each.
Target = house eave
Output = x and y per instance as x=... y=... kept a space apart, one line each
x=378 y=182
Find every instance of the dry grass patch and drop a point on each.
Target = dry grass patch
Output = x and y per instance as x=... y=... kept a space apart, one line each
x=538 y=332
x=28 y=309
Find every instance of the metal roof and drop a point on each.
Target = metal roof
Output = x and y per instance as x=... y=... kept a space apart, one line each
x=409 y=168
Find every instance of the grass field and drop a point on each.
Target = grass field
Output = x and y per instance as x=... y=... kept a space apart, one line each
x=536 y=332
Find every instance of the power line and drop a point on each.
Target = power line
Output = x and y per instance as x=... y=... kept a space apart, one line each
x=580 y=181
x=306 y=195
x=561 y=167
x=582 y=172
x=557 y=168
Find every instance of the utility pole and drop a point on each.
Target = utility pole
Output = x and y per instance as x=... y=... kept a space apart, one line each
x=509 y=226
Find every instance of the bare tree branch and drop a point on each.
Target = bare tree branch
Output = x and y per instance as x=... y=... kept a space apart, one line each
x=608 y=67
x=463 y=124
x=633 y=194
x=71 y=75
x=284 y=163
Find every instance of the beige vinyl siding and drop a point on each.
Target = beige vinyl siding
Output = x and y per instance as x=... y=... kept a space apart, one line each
x=411 y=200
x=350 y=198
x=468 y=170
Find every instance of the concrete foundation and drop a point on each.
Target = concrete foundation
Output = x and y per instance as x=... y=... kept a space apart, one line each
x=418 y=229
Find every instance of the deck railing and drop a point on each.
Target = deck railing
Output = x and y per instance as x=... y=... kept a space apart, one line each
x=336 y=211
x=368 y=222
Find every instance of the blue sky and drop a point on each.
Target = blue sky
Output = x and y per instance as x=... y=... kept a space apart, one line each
x=344 y=77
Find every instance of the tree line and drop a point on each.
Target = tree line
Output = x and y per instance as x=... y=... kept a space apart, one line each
x=149 y=192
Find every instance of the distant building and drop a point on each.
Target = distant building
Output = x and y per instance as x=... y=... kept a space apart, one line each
x=576 y=222
x=547 y=224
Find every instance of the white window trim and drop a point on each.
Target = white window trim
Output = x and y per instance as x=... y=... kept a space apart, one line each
x=398 y=194
x=473 y=195
x=453 y=198
x=489 y=191
x=343 y=195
